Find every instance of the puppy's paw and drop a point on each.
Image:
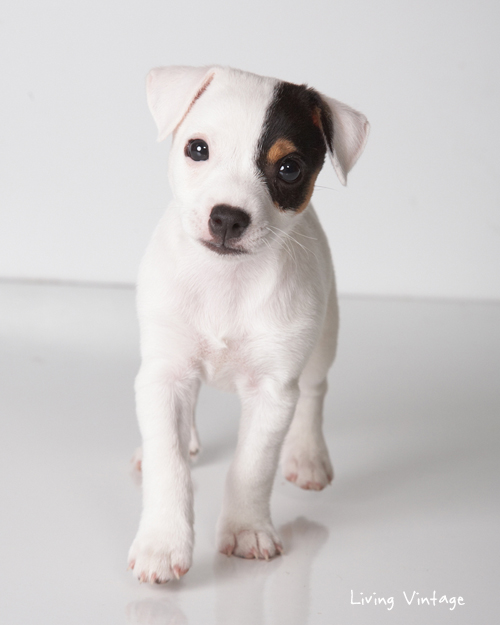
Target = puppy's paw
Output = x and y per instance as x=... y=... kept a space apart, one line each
x=156 y=559
x=307 y=465
x=136 y=460
x=244 y=541
x=194 y=444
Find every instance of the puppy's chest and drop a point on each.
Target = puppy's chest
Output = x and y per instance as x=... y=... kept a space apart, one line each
x=226 y=325
x=220 y=360
x=224 y=351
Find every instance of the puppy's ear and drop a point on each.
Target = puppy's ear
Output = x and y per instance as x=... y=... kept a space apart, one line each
x=172 y=91
x=346 y=132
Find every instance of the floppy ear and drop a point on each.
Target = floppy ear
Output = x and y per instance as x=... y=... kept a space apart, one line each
x=346 y=132
x=172 y=91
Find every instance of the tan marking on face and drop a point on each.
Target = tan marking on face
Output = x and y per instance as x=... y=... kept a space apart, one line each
x=305 y=203
x=310 y=190
x=278 y=150
x=317 y=118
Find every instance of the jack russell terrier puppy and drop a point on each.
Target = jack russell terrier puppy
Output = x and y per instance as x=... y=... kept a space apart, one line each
x=236 y=289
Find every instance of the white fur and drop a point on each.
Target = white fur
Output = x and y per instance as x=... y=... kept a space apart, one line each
x=349 y=139
x=263 y=323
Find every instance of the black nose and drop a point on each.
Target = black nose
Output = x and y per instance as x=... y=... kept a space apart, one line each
x=227 y=222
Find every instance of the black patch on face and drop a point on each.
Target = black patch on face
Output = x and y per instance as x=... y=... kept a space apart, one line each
x=297 y=114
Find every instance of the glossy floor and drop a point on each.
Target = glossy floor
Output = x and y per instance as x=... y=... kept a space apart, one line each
x=412 y=425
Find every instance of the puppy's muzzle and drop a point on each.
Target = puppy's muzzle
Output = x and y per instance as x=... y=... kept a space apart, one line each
x=227 y=224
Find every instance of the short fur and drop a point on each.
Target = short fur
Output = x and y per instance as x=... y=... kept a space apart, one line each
x=260 y=318
x=290 y=117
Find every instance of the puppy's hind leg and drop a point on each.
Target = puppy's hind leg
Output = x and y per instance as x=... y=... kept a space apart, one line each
x=304 y=458
x=194 y=439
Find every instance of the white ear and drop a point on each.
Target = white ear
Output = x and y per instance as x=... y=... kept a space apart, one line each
x=350 y=133
x=172 y=91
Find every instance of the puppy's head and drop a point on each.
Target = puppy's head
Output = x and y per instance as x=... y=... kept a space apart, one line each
x=246 y=151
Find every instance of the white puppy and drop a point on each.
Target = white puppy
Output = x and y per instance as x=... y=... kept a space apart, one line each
x=236 y=289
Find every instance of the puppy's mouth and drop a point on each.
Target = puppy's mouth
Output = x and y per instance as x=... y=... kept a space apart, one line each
x=223 y=249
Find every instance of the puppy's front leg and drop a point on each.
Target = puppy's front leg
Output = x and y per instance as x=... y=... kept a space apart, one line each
x=245 y=528
x=163 y=546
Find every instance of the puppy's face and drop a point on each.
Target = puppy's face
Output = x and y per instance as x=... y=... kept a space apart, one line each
x=246 y=151
x=244 y=160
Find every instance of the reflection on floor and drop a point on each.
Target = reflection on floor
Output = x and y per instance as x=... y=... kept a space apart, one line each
x=412 y=425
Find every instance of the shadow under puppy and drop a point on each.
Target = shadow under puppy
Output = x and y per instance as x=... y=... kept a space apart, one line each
x=236 y=289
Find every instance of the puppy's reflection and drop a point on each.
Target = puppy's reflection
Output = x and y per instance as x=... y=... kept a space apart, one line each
x=247 y=591
x=155 y=612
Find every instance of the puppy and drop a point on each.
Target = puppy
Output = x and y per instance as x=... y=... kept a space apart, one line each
x=236 y=289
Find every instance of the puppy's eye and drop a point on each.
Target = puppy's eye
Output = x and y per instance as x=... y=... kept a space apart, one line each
x=289 y=170
x=197 y=149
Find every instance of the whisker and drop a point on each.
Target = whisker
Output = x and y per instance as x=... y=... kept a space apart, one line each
x=299 y=234
x=284 y=245
x=318 y=186
x=285 y=234
x=307 y=250
x=268 y=244
x=281 y=243
x=289 y=247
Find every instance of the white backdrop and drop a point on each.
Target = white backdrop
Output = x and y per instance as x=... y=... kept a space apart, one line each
x=83 y=182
